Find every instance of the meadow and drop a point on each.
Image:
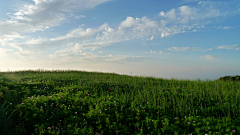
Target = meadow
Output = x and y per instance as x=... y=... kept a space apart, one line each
x=77 y=102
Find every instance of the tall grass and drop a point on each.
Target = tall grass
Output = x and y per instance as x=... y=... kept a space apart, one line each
x=78 y=102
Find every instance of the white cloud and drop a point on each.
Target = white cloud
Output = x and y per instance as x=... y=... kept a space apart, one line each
x=229 y=47
x=182 y=48
x=163 y=23
x=207 y=50
x=36 y=41
x=165 y=34
x=187 y=49
x=129 y=29
x=162 y=13
x=194 y=30
x=3 y=53
x=207 y=57
x=90 y=57
x=35 y=17
x=52 y=56
x=76 y=16
x=129 y=22
x=150 y=52
x=199 y=2
x=227 y=27
x=80 y=33
x=108 y=35
x=170 y=14
x=152 y=38
x=28 y=54
x=205 y=12
x=185 y=11
x=9 y=37
x=160 y=52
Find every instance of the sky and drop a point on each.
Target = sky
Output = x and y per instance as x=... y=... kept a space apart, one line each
x=180 y=39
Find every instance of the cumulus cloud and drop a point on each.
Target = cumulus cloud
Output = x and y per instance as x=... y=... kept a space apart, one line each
x=129 y=22
x=207 y=57
x=169 y=14
x=130 y=29
x=45 y=14
x=199 y=14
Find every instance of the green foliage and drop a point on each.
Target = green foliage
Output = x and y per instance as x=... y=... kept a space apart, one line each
x=73 y=102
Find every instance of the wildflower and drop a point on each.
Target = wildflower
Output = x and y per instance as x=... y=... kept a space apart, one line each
x=203 y=123
x=233 y=130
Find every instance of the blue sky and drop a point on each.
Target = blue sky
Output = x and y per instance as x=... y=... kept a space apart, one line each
x=181 y=39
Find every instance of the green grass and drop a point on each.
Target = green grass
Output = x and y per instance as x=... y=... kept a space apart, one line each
x=74 y=102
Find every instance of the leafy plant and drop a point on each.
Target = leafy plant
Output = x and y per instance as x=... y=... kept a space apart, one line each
x=73 y=102
x=4 y=120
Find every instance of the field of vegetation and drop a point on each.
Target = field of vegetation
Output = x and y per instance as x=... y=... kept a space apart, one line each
x=77 y=102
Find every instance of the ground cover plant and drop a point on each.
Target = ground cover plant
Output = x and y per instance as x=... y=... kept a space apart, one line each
x=77 y=102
